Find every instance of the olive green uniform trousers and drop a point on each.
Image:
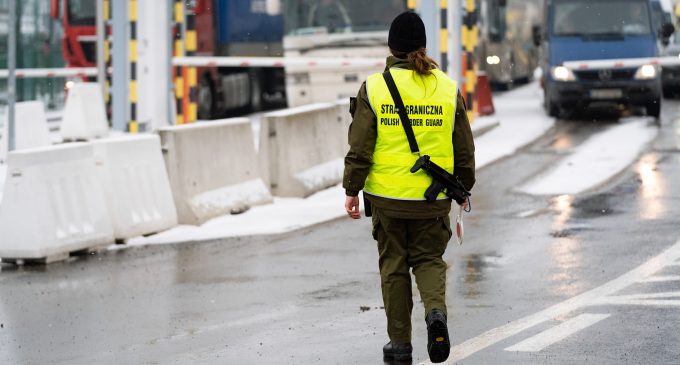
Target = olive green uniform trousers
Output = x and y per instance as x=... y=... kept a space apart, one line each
x=404 y=245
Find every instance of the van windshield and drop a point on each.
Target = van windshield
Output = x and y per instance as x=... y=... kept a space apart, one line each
x=601 y=18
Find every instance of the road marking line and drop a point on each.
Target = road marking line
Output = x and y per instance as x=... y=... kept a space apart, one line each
x=640 y=302
x=495 y=335
x=669 y=294
x=558 y=333
x=657 y=279
x=645 y=299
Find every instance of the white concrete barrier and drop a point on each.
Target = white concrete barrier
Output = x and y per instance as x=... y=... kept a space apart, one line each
x=304 y=148
x=84 y=116
x=52 y=204
x=132 y=172
x=31 y=129
x=213 y=169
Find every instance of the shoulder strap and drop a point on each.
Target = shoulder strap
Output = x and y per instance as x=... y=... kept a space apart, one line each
x=401 y=110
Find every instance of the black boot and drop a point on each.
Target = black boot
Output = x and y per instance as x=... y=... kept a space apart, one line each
x=438 y=345
x=398 y=351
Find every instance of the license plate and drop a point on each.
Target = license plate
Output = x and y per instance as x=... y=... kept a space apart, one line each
x=606 y=94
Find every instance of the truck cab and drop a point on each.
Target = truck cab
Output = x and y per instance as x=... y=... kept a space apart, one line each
x=79 y=44
x=579 y=30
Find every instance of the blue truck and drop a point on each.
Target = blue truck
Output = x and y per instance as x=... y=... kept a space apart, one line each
x=242 y=28
x=578 y=30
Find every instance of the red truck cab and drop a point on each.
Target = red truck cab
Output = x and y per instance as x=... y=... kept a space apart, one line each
x=78 y=17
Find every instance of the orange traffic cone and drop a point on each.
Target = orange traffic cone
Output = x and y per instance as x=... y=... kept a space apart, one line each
x=483 y=99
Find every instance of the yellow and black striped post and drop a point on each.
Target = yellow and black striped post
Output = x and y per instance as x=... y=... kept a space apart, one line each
x=179 y=52
x=133 y=124
x=444 y=35
x=470 y=41
x=107 y=58
x=191 y=73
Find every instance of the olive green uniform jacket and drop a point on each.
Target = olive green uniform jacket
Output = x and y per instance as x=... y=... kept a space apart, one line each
x=363 y=133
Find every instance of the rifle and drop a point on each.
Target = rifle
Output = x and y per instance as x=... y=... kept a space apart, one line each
x=442 y=181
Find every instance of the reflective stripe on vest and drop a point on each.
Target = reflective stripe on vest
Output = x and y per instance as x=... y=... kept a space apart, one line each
x=430 y=102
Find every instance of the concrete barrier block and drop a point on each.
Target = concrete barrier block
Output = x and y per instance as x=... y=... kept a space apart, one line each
x=52 y=204
x=84 y=113
x=31 y=129
x=213 y=169
x=305 y=149
x=132 y=172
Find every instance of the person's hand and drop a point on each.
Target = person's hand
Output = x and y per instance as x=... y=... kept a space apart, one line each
x=466 y=204
x=352 y=206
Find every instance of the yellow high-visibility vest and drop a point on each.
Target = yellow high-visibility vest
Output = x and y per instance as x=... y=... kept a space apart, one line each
x=430 y=102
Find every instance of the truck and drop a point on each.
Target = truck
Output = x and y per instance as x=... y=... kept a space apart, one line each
x=335 y=29
x=223 y=28
x=506 y=50
x=244 y=29
x=580 y=30
x=79 y=39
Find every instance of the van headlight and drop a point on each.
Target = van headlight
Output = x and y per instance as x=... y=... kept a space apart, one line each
x=646 y=72
x=561 y=73
x=493 y=60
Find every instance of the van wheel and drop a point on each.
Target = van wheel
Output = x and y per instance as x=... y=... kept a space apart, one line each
x=551 y=108
x=654 y=109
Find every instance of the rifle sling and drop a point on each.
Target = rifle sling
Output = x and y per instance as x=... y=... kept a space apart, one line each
x=401 y=110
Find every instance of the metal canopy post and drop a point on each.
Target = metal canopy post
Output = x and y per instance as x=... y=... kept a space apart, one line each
x=429 y=12
x=119 y=67
x=11 y=66
x=101 y=61
x=454 y=53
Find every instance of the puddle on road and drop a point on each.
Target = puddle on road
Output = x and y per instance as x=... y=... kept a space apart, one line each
x=474 y=268
x=340 y=290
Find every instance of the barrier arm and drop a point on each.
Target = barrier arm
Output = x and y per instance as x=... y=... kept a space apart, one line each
x=277 y=62
x=51 y=72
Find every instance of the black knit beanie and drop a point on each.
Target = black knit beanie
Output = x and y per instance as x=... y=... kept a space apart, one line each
x=407 y=33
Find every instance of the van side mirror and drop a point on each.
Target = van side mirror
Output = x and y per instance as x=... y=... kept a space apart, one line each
x=54 y=9
x=536 y=34
x=667 y=30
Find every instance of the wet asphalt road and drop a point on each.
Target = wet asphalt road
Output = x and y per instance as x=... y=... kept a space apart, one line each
x=313 y=297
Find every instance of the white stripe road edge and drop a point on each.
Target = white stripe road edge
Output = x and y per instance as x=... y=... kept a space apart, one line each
x=590 y=297
x=642 y=299
x=659 y=279
x=557 y=333
x=639 y=302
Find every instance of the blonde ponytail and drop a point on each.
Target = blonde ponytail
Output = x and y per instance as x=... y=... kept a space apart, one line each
x=419 y=60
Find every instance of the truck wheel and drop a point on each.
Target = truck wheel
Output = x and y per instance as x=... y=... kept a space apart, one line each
x=255 y=90
x=206 y=98
x=654 y=109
